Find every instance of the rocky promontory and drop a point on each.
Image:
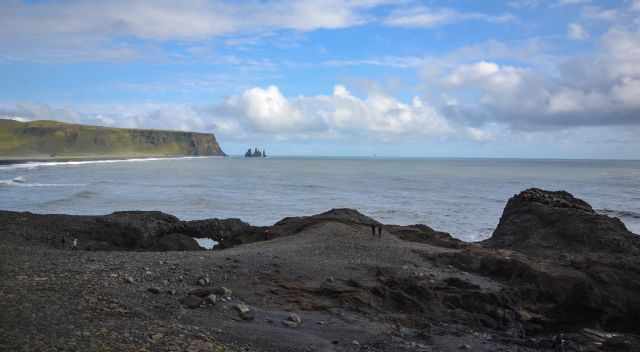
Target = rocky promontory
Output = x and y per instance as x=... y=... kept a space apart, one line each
x=46 y=140
x=554 y=276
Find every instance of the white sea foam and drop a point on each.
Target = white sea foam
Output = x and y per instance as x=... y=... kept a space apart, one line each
x=34 y=165
x=21 y=181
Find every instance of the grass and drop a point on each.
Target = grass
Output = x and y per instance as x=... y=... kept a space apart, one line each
x=47 y=138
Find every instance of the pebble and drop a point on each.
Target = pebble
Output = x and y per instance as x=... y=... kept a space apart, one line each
x=292 y=321
x=153 y=290
x=203 y=281
x=244 y=311
x=294 y=318
x=223 y=291
x=211 y=299
x=129 y=280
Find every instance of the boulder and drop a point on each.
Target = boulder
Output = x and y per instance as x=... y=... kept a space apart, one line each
x=292 y=321
x=543 y=222
x=176 y=242
x=244 y=311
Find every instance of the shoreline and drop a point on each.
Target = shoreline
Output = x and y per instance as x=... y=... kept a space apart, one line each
x=21 y=160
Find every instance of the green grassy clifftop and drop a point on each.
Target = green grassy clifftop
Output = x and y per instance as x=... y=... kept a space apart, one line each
x=53 y=139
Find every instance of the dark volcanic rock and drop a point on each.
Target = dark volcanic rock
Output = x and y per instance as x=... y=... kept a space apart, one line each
x=580 y=268
x=191 y=301
x=538 y=221
x=424 y=234
x=227 y=232
x=292 y=225
x=176 y=242
x=555 y=276
x=132 y=230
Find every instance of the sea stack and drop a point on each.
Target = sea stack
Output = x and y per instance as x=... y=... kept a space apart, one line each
x=255 y=153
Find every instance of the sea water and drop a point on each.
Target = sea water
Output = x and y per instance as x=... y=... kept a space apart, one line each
x=462 y=196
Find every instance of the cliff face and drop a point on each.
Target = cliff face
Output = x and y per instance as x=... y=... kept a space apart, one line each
x=45 y=139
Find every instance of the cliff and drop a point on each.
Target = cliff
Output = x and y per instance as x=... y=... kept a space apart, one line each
x=53 y=139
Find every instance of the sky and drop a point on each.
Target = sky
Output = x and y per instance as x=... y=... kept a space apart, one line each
x=465 y=78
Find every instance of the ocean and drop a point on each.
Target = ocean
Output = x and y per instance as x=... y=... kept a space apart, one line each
x=464 y=197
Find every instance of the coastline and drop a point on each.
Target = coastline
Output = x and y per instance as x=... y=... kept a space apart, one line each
x=335 y=281
x=23 y=160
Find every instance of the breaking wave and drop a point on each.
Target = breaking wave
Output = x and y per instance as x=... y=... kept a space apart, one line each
x=34 y=165
x=21 y=181
x=620 y=213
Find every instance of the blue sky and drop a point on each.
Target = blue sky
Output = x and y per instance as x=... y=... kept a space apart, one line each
x=519 y=78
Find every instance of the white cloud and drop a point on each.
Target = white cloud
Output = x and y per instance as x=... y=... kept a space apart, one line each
x=84 y=29
x=571 y=2
x=575 y=31
x=627 y=92
x=425 y=17
x=601 y=14
x=487 y=75
x=189 y=19
x=480 y=135
x=601 y=89
x=268 y=111
x=527 y=4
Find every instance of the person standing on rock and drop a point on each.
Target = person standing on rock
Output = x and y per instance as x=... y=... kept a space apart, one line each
x=74 y=245
x=373 y=230
x=380 y=231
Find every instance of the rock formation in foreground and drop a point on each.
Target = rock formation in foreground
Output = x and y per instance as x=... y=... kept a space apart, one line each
x=555 y=276
x=537 y=221
x=52 y=139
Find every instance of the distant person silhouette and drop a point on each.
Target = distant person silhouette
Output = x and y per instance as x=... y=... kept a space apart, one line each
x=373 y=230
x=379 y=231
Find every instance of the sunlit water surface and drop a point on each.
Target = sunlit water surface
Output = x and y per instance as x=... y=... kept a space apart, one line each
x=462 y=196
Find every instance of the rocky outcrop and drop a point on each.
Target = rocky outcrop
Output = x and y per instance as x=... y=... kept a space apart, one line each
x=227 y=232
x=581 y=266
x=424 y=234
x=255 y=153
x=292 y=225
x=131 y=230
x=52 y=139
x=555 y=276
x=176 y=242
x=542 y=222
